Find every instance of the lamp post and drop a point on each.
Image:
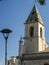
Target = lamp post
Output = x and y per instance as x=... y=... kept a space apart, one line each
x=5 y=33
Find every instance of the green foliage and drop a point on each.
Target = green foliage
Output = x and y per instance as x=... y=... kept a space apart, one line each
x=42 y=2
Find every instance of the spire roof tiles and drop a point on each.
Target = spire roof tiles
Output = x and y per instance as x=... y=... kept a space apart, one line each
x=34 y=16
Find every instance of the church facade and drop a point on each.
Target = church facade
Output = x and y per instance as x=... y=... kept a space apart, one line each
x=33 y=48
x=34 y=39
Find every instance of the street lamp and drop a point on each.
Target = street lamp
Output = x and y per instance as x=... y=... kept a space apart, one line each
x=5 y=33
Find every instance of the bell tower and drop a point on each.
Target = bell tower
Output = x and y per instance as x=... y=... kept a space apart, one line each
x=34 y=39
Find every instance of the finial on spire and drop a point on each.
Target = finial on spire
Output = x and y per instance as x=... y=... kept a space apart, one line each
x=35 y=1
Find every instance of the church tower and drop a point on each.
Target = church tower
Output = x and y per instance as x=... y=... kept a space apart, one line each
x=34 y=39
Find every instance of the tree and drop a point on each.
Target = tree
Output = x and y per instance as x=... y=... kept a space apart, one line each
x=42 y=2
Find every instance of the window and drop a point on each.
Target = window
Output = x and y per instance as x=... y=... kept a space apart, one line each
x=46 y=64
x=8 y=62
x=41 y=32
x=31 y=31
x=33 y=12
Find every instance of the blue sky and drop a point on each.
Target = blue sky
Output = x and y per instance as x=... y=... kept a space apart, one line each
x=13 y=14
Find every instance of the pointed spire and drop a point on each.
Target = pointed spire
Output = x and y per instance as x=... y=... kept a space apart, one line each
x=34 y=16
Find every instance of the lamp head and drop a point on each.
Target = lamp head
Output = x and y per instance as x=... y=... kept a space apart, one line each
x=6 y=31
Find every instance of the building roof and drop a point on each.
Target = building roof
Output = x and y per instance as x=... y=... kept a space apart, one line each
x=34 y=16
x=34 y=56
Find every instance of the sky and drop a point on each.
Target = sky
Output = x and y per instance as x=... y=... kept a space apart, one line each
x=13 y=14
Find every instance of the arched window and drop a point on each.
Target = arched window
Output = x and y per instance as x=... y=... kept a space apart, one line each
x=41 y=32
x=31 y=31
x=8 y=63
x=46 y=64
